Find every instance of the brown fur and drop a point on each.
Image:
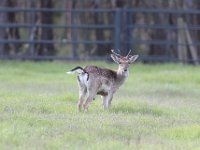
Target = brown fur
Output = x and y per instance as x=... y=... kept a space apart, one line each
x=109 y=74
x=95 y=80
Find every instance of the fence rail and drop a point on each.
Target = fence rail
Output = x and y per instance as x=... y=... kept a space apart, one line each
x=122 y=31
x=78 y=10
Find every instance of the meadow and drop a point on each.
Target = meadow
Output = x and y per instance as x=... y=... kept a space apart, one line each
x=158 y=108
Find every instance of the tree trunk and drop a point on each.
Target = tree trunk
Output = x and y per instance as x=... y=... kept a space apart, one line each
x=99 y=34
x=159 y=34
x=33 y=19
x=3 y=19
x=46 y=33
x=86 y=33
x=13 y=32
x=68 y=19
x=198 y=23
x=158 y=49
x=7 y=33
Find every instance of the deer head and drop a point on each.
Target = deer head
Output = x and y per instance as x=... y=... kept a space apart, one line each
x=123 y=61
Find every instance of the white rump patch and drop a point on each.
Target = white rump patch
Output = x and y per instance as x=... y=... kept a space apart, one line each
x=83 y=78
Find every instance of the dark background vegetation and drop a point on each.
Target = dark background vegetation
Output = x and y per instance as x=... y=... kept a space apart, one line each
x=31 y=31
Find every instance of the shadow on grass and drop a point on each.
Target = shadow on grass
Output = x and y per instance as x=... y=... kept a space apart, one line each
x=65 y=98
x=140 y=109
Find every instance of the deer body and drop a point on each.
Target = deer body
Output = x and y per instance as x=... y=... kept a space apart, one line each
x=93 y=80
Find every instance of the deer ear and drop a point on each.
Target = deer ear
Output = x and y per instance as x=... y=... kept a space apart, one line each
x=133 y=58
x=115 y=58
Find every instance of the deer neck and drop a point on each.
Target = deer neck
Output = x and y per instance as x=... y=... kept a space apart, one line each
x=121 y=77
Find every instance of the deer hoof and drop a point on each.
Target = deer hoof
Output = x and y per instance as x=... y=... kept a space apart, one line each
x=79 y=107
x=85 y=107
x=85 y=110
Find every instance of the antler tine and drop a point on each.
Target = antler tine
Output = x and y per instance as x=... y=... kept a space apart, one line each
x=119 y=50
x=128 y=53
x=115 y=53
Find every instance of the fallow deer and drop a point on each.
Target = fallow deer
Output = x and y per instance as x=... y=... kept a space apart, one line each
x=94 y=80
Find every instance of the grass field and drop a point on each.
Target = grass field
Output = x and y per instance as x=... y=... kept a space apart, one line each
x=157 y=108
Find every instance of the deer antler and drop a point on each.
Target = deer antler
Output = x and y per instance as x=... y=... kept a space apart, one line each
x=115 y=53
x=128 y=53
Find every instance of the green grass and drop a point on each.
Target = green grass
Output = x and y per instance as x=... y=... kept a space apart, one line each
x=157 y=108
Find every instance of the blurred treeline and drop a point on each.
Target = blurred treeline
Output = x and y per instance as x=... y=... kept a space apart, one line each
x=65 y=18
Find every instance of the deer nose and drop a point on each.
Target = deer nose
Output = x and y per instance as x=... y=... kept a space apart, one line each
x=125 y=70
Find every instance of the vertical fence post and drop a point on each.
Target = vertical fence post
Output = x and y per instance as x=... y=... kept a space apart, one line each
x=128 y=30
x=33 y=30
x=74 y=35
x=117 y=28
x=168 y=38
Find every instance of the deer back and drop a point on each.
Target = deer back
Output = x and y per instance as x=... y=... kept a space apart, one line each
x=101 y=72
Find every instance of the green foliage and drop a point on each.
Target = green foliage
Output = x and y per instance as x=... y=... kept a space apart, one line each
x=186 y=132
x=157 y=108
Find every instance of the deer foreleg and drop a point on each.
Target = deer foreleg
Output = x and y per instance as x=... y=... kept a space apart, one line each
x=104 y=98
x=109 y=100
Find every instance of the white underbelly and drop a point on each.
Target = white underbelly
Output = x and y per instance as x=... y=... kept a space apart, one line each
x=104 y=88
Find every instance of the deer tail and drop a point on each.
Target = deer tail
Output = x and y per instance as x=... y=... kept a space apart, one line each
x=78 y=70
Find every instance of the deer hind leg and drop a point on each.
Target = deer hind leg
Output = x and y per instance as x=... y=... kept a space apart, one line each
x=88 y=101
x=82 y=93
x=91 y=96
